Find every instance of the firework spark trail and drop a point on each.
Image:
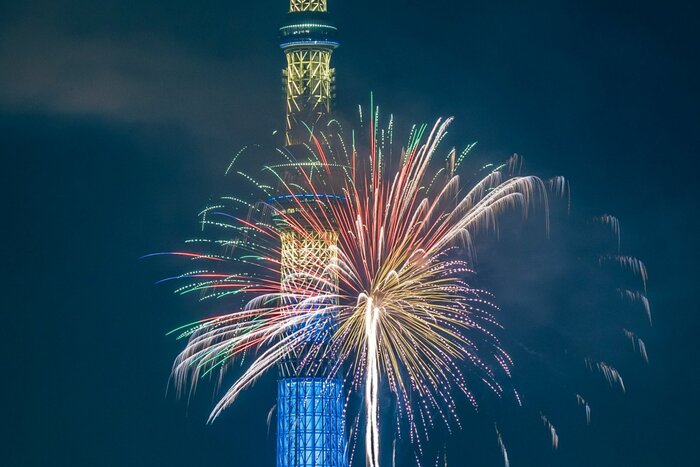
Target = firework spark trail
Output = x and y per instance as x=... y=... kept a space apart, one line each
x=611 y=374
x=637 y=344
x=638 y=297
x=631 y=264
x=502 y=445
x=581 y=401
x=269 y=418
x=372 y=384
x=552 y=431
x=614 y=224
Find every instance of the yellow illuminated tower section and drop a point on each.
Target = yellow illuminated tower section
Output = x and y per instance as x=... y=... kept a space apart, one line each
x=308 y=40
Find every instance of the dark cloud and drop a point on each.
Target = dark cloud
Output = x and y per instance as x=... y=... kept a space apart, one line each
x=140 y=78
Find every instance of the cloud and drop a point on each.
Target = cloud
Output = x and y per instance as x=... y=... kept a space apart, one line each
x=136 y=79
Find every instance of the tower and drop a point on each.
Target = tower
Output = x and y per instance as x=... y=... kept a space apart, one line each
x=308 y=40
x=310 y=400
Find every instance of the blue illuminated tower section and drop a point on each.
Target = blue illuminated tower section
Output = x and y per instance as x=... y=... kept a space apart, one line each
x=310 y=400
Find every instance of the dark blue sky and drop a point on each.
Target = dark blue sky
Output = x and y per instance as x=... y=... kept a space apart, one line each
x=117 y=119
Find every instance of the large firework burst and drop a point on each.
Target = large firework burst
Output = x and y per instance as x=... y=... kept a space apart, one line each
x=393 y=231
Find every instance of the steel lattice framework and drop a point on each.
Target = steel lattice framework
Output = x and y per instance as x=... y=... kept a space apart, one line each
x=308 y=5
x=306 y=259
x=311 y=416
x=310 y=252
x=309 y=87
x=308 y=40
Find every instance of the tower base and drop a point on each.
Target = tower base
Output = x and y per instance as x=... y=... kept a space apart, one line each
x=310 y=423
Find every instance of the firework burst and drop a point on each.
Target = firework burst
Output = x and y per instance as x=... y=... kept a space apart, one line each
x=385 y=298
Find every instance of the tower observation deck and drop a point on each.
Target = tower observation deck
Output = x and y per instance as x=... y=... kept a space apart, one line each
x=310 y=400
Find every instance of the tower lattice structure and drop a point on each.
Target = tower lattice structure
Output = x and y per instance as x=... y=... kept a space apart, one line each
x=308 y=41
x=310 y=400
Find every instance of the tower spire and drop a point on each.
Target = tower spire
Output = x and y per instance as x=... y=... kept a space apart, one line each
x=308 y=5
x=308 y=39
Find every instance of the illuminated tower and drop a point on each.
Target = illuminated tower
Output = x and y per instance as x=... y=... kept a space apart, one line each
x=310 y=401
x=308 y=41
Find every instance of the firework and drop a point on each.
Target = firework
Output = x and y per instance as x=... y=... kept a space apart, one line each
x=394 y=230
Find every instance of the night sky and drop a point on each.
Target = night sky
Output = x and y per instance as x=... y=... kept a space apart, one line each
x=118 y=119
